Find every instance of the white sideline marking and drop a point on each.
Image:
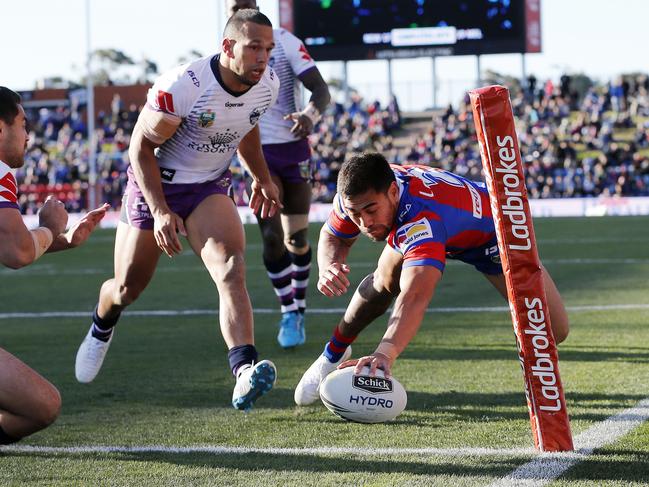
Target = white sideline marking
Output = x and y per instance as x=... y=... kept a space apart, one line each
x=52 y=270
x=209 y=312
x=549 y=466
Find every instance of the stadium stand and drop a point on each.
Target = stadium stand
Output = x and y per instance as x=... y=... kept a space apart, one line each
x=587 y=147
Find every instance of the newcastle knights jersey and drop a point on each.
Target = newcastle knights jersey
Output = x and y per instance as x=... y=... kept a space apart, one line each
x=440 y=215
x=214 y=119
x=8 y=188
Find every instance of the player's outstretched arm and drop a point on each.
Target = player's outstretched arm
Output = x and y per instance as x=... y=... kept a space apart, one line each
x=78 y=233
x=418 y=285
x=18 y=245
x=332 y=269
x=264 y=198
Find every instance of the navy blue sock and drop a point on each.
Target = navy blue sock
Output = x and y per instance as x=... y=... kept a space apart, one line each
x=102 y=328
x=5 y=439
x=241 y=355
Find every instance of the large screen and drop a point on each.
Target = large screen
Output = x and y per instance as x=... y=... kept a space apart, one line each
x=380 y=29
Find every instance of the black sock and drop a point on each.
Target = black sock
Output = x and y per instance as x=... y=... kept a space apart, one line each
x=5 y=439
x=241 y=355
x=103 y=327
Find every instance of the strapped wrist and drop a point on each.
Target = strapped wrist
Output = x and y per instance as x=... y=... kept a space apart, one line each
x=43 y=238
x=387 y=349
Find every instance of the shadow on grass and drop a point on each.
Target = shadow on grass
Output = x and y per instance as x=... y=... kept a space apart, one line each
x=291 y=463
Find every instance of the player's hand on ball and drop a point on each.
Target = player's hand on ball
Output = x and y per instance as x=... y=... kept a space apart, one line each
x=375 y=362
x=264 y=198
x=165 y=230
x=333 y=281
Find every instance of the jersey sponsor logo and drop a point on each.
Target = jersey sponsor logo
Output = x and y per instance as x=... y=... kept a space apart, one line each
x=223 y=138
x=193 y=77
x=165 y=102
x=229 y=104
x=167 y=174
x=305 y=54
x=206 y=119
x=414 y=232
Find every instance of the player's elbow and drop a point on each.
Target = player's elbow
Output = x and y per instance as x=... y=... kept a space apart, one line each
x=18 y=257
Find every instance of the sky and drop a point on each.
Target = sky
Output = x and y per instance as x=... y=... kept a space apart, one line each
x=44 y=38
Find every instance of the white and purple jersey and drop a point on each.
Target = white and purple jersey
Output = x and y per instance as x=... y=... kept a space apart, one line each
x=8 y=187
x=289 y=59
x=213 y=119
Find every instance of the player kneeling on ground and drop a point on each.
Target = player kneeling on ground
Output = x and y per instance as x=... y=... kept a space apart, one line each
x=28 y=402
x=426 y=215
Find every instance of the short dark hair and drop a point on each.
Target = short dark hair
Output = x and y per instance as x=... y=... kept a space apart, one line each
x=234 y=23
x=364 y=172
x=9 y=101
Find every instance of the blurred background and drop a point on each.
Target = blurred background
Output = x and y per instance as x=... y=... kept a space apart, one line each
x=399 y=72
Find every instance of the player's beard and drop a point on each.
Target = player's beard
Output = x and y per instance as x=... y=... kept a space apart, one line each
x=380 y=236
x=241 y=78
x=15 y=158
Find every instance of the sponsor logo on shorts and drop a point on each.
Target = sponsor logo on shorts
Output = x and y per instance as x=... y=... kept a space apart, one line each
x=305 y=170
x=167 y=174
x=375 y=385
x=195 y=80
x=206 y=119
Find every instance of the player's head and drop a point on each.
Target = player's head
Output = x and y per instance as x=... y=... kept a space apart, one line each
x=247 y=43
x=370 y=195
x=234 y=6
x=13 y=132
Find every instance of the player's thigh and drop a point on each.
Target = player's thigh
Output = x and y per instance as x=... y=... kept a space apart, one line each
x=214 y=230
x=388 y=271
x=297 y=197
x=136 y=256
x=23 y=391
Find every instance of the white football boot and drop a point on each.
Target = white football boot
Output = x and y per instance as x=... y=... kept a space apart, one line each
x=253 y=382
x=90 y=356
x=308 y=389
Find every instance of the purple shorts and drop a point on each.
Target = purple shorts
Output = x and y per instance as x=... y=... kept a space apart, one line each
x=181 y=198
x=291 y=162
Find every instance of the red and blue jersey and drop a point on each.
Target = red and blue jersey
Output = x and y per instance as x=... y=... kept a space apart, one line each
x=440 y=215
x=8 y=188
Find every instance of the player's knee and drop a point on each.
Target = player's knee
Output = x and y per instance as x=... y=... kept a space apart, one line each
x=127 y=294
x=229 y=270
x=385 y=283
x=298 y=242
x=273 y=244
x=561 y=330
x=49 y=407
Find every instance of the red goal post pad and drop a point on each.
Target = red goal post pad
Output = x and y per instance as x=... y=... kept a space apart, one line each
x=537 y=352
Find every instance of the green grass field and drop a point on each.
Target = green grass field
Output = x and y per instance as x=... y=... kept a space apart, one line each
x=166 y=383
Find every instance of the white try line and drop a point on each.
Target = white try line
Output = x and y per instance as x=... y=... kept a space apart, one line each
x=547 y=467
x=314 y=311
x=541 y=470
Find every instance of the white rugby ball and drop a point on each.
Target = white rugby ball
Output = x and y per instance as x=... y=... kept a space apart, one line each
x=362 y=398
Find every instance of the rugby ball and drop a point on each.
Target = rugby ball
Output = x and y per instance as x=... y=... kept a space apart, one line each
x=362 y=398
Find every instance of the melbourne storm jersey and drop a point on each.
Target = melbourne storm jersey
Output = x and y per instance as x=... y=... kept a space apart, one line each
x=441 y=215
x=8 y=187
x=289 y=59
x=214 y=119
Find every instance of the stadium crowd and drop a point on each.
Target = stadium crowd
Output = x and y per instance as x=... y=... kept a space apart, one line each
x=573 y=146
